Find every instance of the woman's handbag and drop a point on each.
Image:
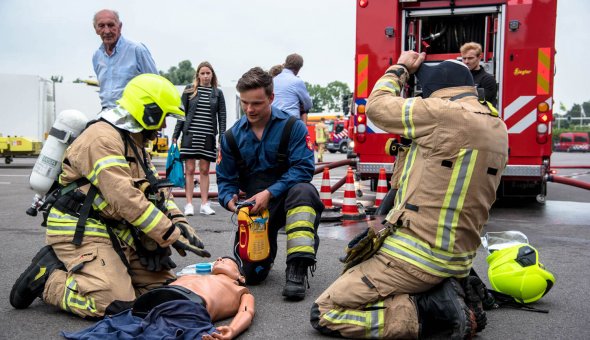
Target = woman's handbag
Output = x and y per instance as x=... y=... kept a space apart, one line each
x=174 y=167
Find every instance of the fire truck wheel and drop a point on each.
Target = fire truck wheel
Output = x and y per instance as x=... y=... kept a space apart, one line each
x=343 y=148
x=8 y=160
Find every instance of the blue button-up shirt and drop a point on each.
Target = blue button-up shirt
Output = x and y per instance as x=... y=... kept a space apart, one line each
x=261 y=155
x=113 y=72
x=290 y=93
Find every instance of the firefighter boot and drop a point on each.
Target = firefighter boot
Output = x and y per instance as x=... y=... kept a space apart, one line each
x=475 y=295
x=31 y=283
x=442 y=312
x=296 y=279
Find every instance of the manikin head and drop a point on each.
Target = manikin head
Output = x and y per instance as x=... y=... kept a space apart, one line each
x=228 y=266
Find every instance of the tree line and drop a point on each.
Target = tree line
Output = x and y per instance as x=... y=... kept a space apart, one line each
x=577 y=115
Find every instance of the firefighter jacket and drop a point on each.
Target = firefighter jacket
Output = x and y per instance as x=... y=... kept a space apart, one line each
x=100 y=155
x=449 y=177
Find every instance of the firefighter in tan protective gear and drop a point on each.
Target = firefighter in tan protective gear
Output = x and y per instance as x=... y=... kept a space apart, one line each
x=321 y=138
x=411 y=287
x=111 y=222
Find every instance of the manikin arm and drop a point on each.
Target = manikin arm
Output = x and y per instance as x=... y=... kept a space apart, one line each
x=241 y=321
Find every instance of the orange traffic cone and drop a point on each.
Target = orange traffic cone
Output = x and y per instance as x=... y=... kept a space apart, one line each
x=350 y=210
x=381 y=188
x=325 y=191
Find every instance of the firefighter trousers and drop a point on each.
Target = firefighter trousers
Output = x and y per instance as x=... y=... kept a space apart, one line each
x=371 y=300
x=96 y=277
x=299 y=211
x=321 y=150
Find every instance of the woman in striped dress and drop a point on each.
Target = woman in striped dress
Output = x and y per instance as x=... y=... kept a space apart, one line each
x=205 y=119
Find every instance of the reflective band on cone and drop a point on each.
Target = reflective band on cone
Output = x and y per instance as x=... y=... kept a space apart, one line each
x=381 y=188
x=350 y=210
x=325 y=192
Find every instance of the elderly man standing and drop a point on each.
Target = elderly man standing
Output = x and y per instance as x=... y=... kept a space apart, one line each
x=117 y=60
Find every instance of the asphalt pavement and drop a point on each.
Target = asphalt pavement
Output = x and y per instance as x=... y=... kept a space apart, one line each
x=560 y=230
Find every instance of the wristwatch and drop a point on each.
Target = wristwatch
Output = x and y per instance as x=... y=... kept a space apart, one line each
x=398 y=71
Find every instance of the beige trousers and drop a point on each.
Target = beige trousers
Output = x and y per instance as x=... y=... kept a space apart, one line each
x=96 y=277
x=371 y=300
x=321 y=150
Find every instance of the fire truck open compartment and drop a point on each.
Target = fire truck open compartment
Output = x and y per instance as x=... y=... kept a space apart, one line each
x=441 y=36
x=440 y=33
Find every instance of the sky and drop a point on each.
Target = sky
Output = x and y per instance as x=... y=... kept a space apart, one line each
x=56 y=37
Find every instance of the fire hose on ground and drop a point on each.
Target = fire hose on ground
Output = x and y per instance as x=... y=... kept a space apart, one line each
x=569 y=181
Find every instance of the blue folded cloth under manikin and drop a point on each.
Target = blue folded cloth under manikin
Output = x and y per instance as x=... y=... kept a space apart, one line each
x=178 y=319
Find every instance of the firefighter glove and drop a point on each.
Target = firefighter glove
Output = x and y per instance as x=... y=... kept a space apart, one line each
x=153 y=257
x=157 y=260
x=357 y=244
x=363 y=246
x=189 y=240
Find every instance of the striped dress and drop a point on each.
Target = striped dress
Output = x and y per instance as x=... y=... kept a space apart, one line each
x=203 y=144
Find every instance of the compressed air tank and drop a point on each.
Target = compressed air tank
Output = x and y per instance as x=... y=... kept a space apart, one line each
x=68 y=125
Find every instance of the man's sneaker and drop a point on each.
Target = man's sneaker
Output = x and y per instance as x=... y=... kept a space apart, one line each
x=296 y=280
x=206 y=209
x=442 y=312
x=31 y=283
x=189 y=210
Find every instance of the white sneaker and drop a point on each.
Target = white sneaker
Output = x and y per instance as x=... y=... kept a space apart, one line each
x=206 y=209
x=189 y=210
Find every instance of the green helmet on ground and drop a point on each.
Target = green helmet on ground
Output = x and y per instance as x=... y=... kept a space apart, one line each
x=516 y=271
x=149 y=98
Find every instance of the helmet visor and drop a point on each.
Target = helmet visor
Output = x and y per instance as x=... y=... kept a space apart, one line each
x=177 y=113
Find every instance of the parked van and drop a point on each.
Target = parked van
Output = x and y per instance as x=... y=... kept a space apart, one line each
x=573 y=142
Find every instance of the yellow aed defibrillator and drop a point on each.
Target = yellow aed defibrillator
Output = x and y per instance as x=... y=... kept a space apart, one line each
x=253 y=235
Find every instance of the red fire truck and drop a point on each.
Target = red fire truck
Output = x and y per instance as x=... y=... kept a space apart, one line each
x=518 y=40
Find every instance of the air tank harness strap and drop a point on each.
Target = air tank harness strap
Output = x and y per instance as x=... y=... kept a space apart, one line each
x=155 y=185
x=115 y=241
x=482 y=101
x=63 y=136
x=84 y=212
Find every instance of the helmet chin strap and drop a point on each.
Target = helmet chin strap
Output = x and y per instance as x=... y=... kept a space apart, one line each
x=149 y=134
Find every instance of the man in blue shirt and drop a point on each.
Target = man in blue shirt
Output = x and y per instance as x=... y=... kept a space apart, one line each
x=291 y=94
x=117 y=60
x=249 y=161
